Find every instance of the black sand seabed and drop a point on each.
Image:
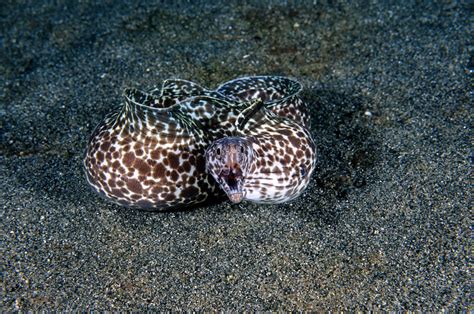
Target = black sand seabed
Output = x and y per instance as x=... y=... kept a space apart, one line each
x=384 y=223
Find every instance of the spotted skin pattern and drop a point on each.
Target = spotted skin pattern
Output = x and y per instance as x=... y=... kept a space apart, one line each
x=270 y=160
x=151 y=154
x=280 y=95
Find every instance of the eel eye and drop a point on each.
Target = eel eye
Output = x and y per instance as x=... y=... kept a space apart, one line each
x=218 y=151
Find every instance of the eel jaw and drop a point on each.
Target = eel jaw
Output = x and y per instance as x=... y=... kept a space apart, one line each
x=231 y=181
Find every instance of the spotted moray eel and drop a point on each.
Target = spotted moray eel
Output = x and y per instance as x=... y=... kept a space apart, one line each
x=152 y=153
x=269 y=160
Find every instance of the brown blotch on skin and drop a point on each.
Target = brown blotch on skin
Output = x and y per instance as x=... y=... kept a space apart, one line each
x=278 y=137
x=300 y=134
x=158 y=171
x=294 y=141
x=111 y=183
x=171 y=127
x=117 y=193
x=286 y=132
x=139 y=152
x=174 y=175
x=100 y=156
x=135 y=196
x=128 y=159
x=142 y=167
x=186 y=166
x=105 y=145
x=173 y=160
x=169 y=197
x=189 y=192
x=134 y=186
x=155 y=154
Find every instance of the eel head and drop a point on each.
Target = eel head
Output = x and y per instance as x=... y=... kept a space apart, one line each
x=229 y=161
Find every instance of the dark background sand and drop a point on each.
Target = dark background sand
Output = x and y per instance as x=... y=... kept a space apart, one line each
x=384 y=223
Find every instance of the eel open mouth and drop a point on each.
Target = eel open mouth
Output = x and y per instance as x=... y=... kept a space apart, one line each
x=233 y=178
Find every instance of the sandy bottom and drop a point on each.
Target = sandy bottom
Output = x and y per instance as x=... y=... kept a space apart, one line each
x=384 y=223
